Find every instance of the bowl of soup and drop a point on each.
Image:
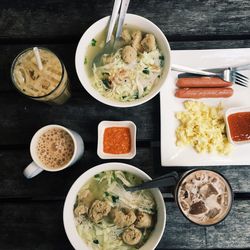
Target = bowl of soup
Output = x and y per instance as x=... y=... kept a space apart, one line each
x=134 y=72
x=100 y=214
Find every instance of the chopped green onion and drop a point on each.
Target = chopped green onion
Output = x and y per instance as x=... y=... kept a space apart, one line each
x=106 y=83
x=106 y=193
x=161 y=58
x=97 y=176
x=114 y=198
x=145 y=71
x=93 y=42
x=96 y=241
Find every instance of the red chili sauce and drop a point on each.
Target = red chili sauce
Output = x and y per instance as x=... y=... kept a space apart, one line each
x=239 y=125
x=117 y=140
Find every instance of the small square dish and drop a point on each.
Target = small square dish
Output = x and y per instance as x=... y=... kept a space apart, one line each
x=238 y=125
x=116 y=140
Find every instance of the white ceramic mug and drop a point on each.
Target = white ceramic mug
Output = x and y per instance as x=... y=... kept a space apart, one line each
x=36 y=167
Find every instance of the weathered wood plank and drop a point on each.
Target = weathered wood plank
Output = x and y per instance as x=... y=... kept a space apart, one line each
x=21 y=117
x=38 y=225
x=178 y=19
x=232 y=233
x=14 y=184
x=53 y=185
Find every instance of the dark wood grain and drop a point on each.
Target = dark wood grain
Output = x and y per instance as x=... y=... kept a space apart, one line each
x=15 y=185
x=36 y=225
x=31 y=210
x=179 y=20
x=22 y=117
x=39 y=224
x=229 y=234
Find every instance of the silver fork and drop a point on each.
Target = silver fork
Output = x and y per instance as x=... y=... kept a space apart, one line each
x=229 y=74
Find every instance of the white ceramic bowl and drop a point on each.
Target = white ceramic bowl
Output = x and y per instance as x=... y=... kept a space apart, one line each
x=227 y=114
x=68 y=216
x=107 y=124
x=142 y=24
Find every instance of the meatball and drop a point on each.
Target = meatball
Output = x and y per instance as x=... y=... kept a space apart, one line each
x=126 y=36
x=129 y=54
x=80 y=210
x=148 y=43
x=144 y=220
x=131 y=236
x=85 y=197
x=136 y=40
x=98 y=210
x=124 y=217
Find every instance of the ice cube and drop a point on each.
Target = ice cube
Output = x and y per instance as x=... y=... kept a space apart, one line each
x=212 y=213
x=219 y=199
x=208 y=189
x=198 y=208
x=184 y=205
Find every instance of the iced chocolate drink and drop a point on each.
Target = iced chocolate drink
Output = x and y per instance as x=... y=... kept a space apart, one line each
x=204 y=197
x=49 y=84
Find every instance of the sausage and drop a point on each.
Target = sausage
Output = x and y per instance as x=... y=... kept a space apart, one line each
x=197 y=93
x=202 y=82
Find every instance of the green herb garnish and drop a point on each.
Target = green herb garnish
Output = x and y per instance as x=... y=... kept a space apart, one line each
x=96 y=241
x=106 y=83
x=114 y=198
x=85 y=60
x=97 y=176
x=106 y=193
x=146 y=71
x=136 y=95
x=93 y=42
x=162 y=60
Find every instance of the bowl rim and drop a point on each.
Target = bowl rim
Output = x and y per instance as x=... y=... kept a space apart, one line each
x=84 y=80
x=68 y=218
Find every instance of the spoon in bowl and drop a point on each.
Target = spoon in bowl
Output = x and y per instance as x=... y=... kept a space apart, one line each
x=167 y=180
x=108 y=44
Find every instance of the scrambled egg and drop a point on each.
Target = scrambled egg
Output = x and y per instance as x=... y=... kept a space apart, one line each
x=202 y=127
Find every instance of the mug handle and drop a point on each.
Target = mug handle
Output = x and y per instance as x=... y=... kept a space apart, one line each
x=32 y=170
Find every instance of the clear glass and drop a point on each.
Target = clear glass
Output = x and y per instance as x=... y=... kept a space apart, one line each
x=25 y=72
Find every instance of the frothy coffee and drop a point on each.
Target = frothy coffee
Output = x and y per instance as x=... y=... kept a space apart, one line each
x=204 y=197
x=55 y=148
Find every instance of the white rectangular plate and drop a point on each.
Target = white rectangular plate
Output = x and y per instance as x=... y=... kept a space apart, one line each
x=171 y=155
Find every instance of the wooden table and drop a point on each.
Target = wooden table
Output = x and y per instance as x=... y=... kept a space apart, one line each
x=31 y=210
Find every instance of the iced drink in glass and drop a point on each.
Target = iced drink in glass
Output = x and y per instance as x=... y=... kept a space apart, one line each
x=50 y=84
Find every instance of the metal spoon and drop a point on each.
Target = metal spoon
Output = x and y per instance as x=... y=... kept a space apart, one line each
x=118 y=40
x=108 y=45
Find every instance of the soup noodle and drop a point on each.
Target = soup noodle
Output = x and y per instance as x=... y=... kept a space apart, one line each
x=108 y=217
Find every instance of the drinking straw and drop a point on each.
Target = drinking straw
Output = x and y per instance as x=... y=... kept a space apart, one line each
x=38 y=58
